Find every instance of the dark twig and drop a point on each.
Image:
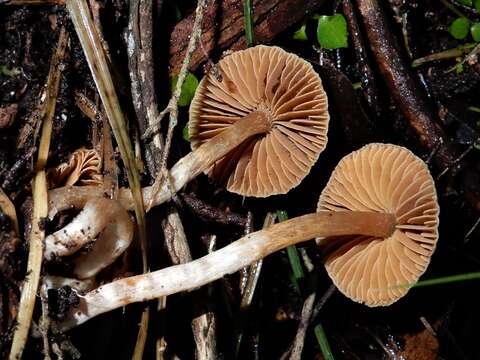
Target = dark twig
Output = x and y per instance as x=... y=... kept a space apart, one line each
x=223 y=27
x=369 y=86
x=322 y=301
x=403 y=86
x=210 y=213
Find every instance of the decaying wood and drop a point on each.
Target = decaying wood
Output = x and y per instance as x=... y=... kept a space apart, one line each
x=369 y=86
x=223 y=27
x=210 y=213
x=403 y=86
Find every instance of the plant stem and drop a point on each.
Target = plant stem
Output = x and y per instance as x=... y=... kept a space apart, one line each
x=228 y=260
x=248 y=19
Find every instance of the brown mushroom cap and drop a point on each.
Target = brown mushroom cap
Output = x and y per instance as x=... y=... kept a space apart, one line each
x=290 y=92
x=381 y=178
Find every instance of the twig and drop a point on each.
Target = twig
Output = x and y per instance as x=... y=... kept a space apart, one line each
x=445 y=54
x=172 y=107
x=45 y=322
x=299 y=341
x=40 y=204
x=175 y=238
x=369 y=86
x=428 y=326
x=472 y=229
x=223 y=27
x=210 y=213
x=244 y=272
x=204 y=325
x=251 y=284
x=322 y=301
x=456 y=161
x=404 y=88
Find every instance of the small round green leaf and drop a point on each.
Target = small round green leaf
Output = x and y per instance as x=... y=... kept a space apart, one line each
x=459 y=28
x=186 y=133
x=301 y=34
x=475 y=30
x=332 y=32
x=188 y=88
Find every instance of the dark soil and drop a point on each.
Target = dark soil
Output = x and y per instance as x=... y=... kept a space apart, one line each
x=27 y=37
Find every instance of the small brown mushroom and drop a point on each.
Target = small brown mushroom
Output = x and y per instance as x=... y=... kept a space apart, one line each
x=82 y=168
x=282 y=90
x=374 y=270
x=378 y=211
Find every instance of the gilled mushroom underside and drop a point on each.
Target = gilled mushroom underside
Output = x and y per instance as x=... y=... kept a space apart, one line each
x=389 y=179
x=289 y=92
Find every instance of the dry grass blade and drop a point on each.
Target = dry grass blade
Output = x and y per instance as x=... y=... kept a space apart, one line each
x=40 y=206
x=8 y=209
x=93 y=50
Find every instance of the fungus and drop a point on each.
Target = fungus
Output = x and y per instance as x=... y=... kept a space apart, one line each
x=262 y=126
x=397 y=208
x=377 y=271
x=83 y=167
x=284 y=91
x=113 y=224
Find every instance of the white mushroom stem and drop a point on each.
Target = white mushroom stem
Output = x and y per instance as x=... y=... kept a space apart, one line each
x=228 y=260
x=99 y=216
x=181 y=173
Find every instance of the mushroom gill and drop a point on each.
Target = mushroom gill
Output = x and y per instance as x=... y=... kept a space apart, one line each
x=289 y=92
x=389 y=179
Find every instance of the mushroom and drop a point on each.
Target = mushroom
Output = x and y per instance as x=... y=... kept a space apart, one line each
x=393 y=194
x=377 y=271
x=112 y=222
x=287 y=95
x=83 y=168
x=263 y=126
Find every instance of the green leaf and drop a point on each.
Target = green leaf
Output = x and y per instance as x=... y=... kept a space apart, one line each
x=9 y=72
x=185 y=133
x=459 y=68
x=475 y=30
x=332 y=32
x=188 y=88
x=477 y=5
x=301 y=34
x=459 y=28
x=465 y=2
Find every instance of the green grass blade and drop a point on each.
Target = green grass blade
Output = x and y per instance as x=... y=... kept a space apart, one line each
x=248 y=20
x=293 y=257
x=449 y=279
x=323 y=342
